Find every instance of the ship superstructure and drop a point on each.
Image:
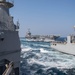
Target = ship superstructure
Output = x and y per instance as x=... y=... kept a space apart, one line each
x=9 y=39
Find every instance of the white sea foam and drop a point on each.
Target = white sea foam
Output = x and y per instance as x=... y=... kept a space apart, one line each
x=22 y=46
x=45 y=45
x=33 y=61
x=26 y=49
x=43 y=50
x=50 y=59
x=62 y=61
x=58 y=64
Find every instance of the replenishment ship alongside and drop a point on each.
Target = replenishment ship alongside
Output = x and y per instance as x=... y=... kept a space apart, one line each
x=9 y=41
x=44 y=38
x=68 y=46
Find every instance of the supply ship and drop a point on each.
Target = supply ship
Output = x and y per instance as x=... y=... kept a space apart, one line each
x=44 y=38
x=9 y=41
x=67 y=46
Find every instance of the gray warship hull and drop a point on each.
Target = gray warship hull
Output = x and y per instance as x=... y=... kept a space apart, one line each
x=9 y=39
x=10 y=49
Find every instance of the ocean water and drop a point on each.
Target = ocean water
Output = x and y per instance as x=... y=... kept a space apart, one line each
x=38 y=58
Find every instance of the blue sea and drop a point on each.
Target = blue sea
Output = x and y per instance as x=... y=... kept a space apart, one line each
x=38 y=58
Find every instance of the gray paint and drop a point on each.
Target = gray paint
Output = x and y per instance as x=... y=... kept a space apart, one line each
x=9 y=38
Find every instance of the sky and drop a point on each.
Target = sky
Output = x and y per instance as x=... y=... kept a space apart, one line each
x=44 y=17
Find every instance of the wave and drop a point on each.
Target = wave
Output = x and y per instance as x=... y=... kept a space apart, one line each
x=40 y=56
x=43 y=50
x=48 y=63
x=26 y=49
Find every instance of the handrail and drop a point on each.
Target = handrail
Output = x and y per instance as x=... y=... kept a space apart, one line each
x=9 y=69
